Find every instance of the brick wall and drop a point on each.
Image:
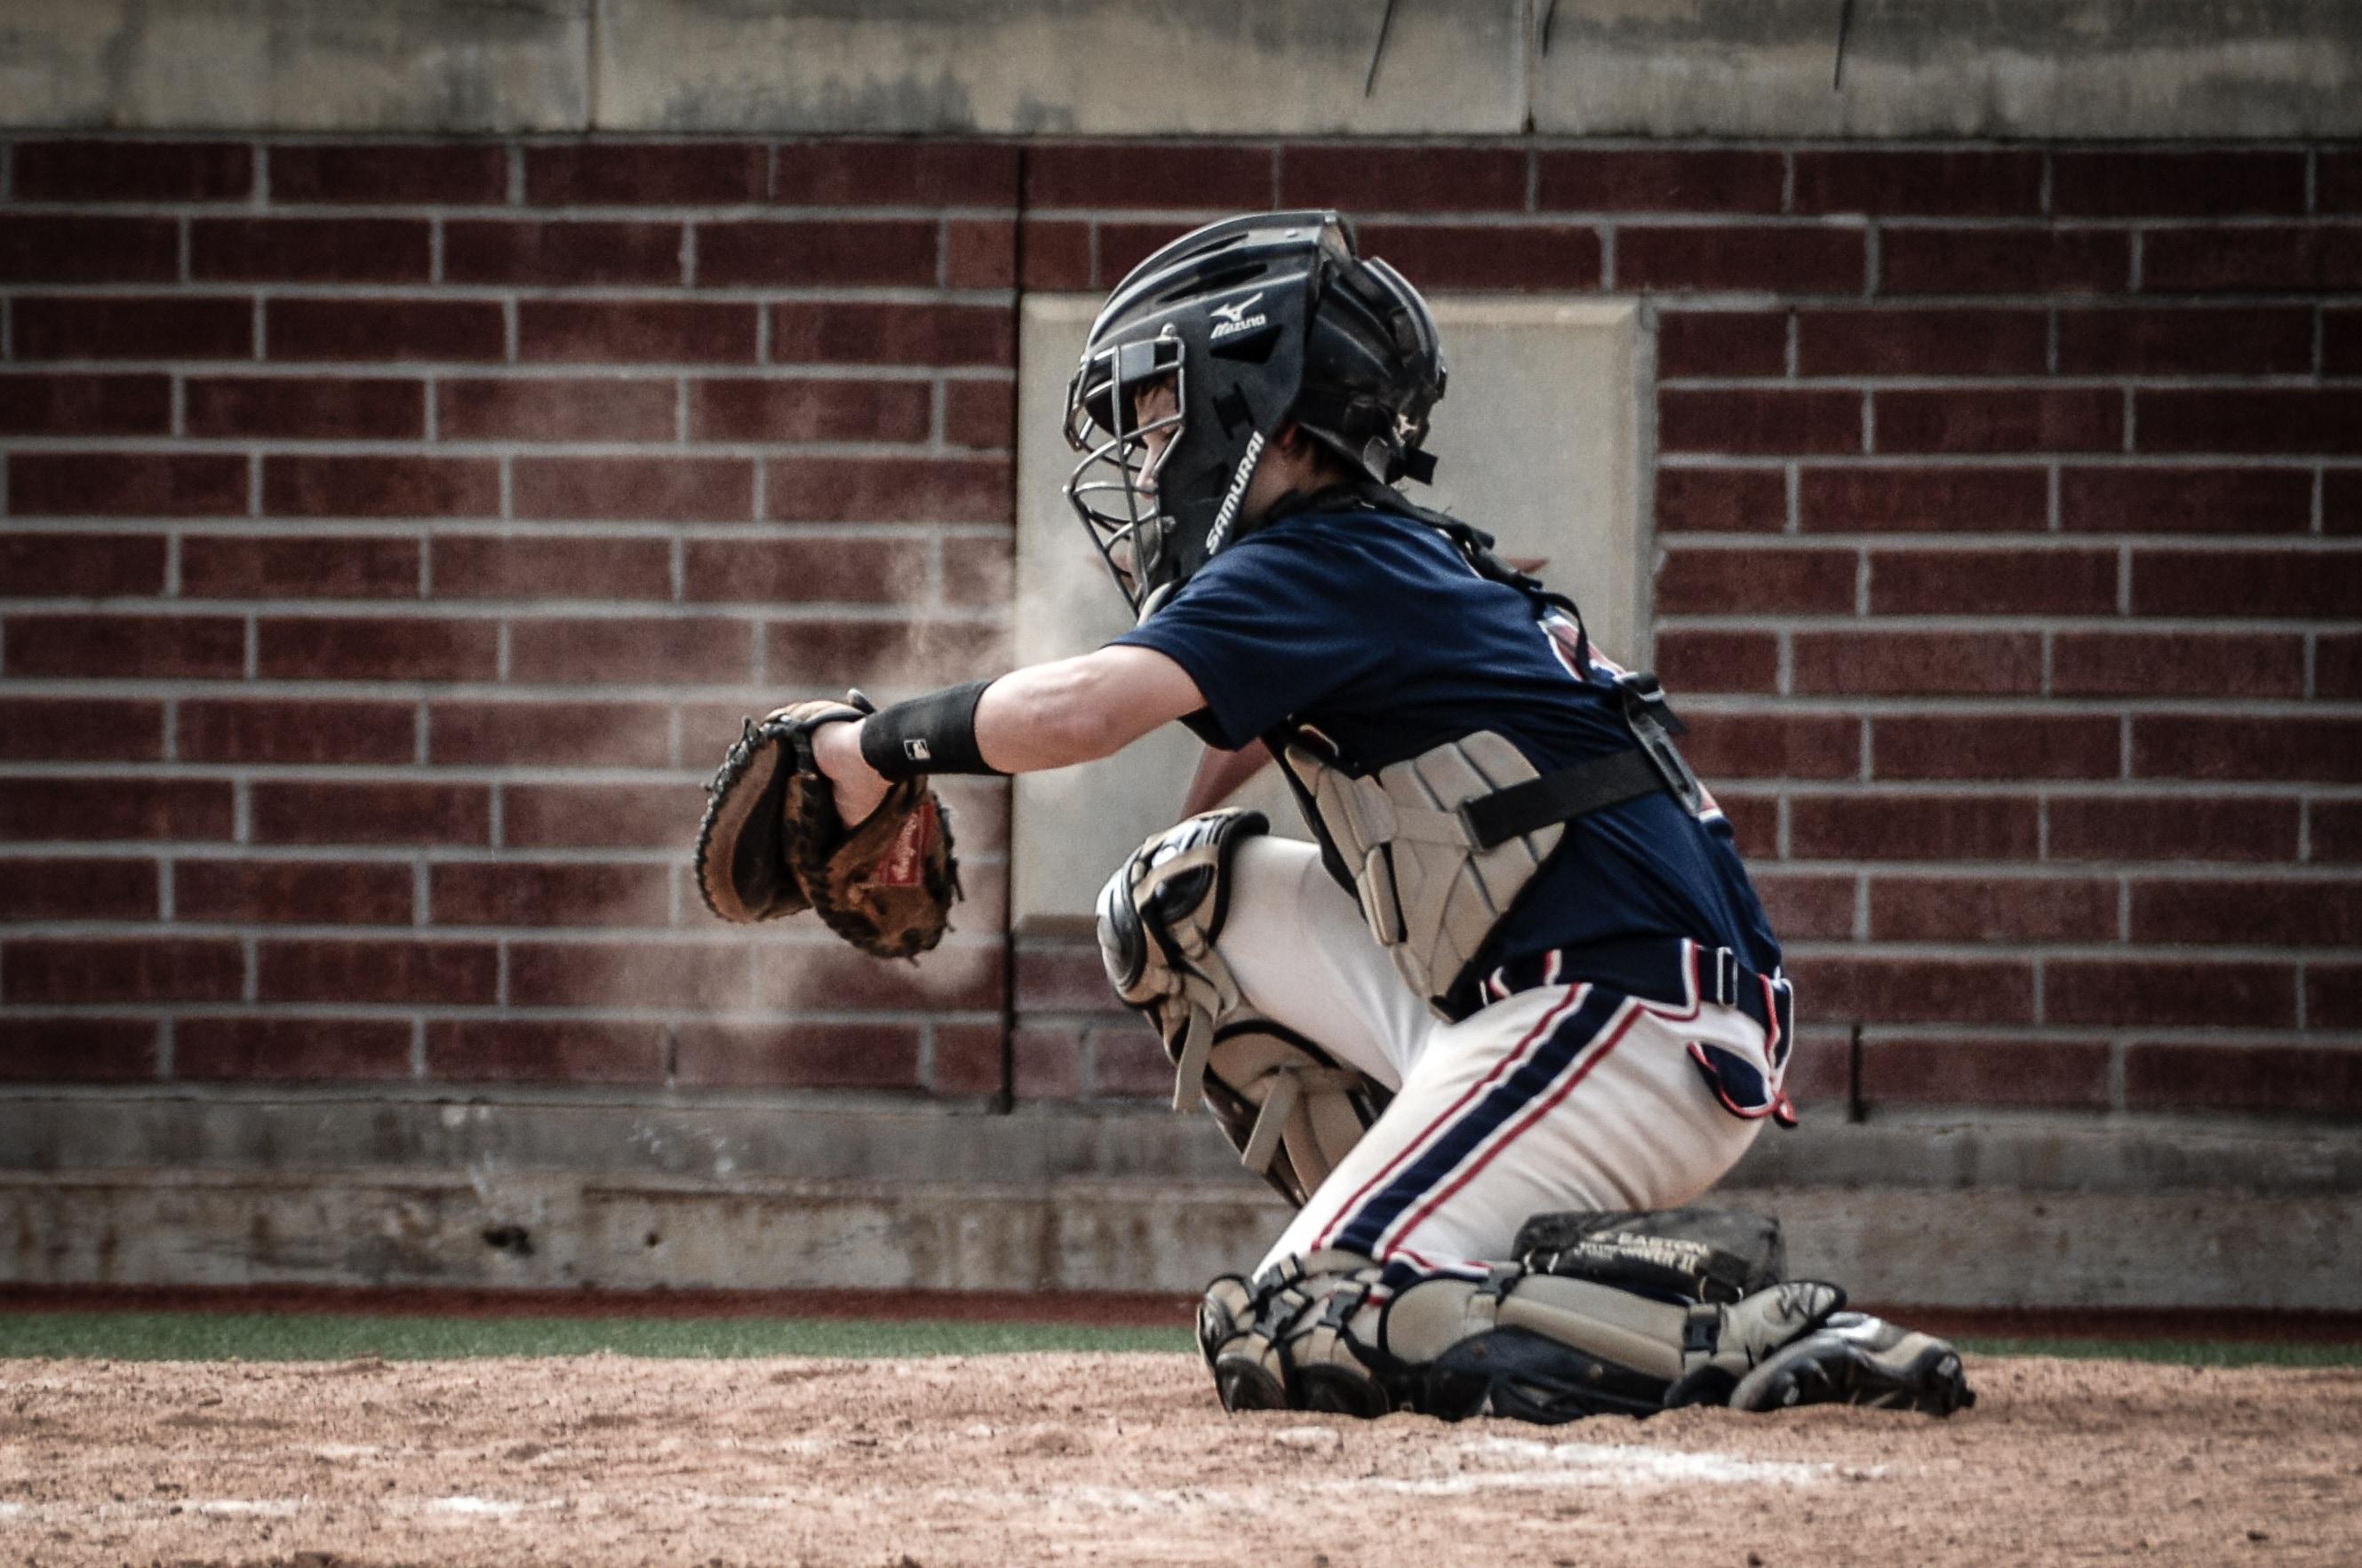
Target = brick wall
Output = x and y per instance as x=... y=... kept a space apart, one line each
x=395 y=533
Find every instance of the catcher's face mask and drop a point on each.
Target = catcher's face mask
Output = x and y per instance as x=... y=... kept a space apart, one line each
x=1113 y=488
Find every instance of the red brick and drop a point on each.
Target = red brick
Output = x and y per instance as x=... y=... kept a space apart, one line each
x=2064 y=1074
x=513 y=892
x=79 y=404
x=2000 y=419
x=1756 y=582
x=386 y=173
x=76 y=1049
x=2110 y=663
x=326 y=812
x=1660 y=180
x=2194 y=1076
x=2014 y=746
x=551 y=408
x=133 y=171
x=804 y=571
x=81 y=730
x=1062 y=977
x=1760 y=422
x=715 y=490
x=809 y=409
x=799 y=1056
x=115 y=970
x=834 y=652
x=1722 y=342
x=1805 y=907
x=262 y=565
x=559 y=1051
x=125 y=484
x=1718 y=661
x=700 y=976
x=1754 y=820
x=2185 y=342
x=1912 y=828
x=2004 y=261
x=859 y=490
x=2309 y=419
x=1052 y=256
x=545 y=567
x=1890 y=990
x=1721 y=500
x=1047 y=1062
x=2341 y=500
x=121 y=647
x=560 y=255
x=831 y=977
x=599 y=817
x=2337 y=666
x=1210 y=175
x=855 y=333
x=2271 y=750
x=89 y=251
x=2338 y=180
x=47 y=889
x=2168 y=994
x=296 y=732
x=115 y=327
x=1127 y=1062
x=1922 y=342
x=2302 y=258
x=301 y=893
x=617 y=174
x=2126 y=185
x=1379 y=177
x=979 y=571
x=34 y=809
x=549 y=734
x=870 y=253
x=1992 y=909
x=902 y=173
x=1992 y=582
x=981 y=253
x=1451 y=256
x=1923 y=501
x=1939 y=184
x=636 y=332
x=309 y=407
x=2171 y=827
x=2333 y=996
x=405 y=648
x=384 y=331
x=966 y=1060
x=2223 y=912
x=2246 y=582
x=380 y=486
x=1782 y=745
x=1918 y=664
x=2181 y=499
x=84 y=565
x=981 y=413
x=2341 y=343
x=310 y=250
x=281 y=1049
x=603 y=650
x=1786 y=260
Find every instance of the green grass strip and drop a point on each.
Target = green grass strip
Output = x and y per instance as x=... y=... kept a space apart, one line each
x=2174 y=1352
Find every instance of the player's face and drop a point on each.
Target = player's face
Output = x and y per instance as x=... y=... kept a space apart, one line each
x=1151 y=405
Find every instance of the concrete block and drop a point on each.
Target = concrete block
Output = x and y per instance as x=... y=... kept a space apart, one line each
x=217 y=65
x=1060 y=67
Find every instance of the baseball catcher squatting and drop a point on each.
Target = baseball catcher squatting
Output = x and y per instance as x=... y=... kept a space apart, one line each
x=1518 y=1007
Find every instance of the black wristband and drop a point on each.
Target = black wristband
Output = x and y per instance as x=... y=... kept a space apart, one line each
x=930 y=734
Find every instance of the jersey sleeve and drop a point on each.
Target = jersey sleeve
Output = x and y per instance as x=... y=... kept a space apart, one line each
x=1267 y=628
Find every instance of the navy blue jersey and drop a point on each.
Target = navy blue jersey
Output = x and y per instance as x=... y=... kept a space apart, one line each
x=1373 y=629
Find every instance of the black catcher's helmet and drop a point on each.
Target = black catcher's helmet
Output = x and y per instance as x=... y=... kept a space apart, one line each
x=1256 y=320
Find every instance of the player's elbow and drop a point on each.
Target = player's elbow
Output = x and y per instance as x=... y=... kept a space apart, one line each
x=1075 y=713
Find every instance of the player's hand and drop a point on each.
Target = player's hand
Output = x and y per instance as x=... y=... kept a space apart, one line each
x=858 y=786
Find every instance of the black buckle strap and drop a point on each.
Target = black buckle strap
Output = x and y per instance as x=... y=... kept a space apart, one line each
x=1562 y=796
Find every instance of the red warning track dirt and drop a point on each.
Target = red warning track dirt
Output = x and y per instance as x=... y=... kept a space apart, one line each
x=1126 y=1459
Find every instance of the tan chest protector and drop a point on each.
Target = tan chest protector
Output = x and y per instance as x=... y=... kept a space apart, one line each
x=1429 y=889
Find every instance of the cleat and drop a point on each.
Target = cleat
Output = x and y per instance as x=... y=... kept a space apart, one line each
x=1244 y=1383
x=1859 y=1360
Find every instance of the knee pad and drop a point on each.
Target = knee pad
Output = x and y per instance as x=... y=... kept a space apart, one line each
x=1288 y=1108
x=1297 y=1337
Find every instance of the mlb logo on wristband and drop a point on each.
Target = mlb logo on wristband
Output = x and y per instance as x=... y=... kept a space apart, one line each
x=917 y=751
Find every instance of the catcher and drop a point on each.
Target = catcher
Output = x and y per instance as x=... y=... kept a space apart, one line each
x=1518 y=1006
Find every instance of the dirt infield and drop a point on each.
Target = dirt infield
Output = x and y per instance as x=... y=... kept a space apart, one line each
x=1125 y=1459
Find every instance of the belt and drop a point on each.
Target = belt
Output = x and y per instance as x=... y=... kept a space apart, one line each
x=1672 y=971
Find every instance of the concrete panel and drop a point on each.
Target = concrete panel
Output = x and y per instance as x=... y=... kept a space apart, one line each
x=278 y=65
x=1540 y=441
x=1966 y=68
x=1060 y=67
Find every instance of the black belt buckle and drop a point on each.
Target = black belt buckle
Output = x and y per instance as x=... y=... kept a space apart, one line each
x=1653 y=725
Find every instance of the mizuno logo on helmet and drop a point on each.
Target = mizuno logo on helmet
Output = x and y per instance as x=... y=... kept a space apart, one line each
x=1235 y=319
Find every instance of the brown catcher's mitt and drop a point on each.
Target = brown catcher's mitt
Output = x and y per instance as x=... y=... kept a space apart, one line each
x=771 y=843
